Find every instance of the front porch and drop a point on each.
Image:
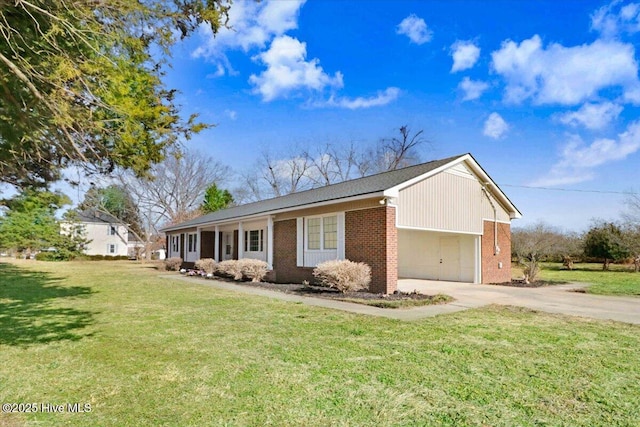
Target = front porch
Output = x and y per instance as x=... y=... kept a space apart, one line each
x=235 y=240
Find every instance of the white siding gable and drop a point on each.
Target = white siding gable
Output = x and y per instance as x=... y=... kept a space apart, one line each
x=452 y=200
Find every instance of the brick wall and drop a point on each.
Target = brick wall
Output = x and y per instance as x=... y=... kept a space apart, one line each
x=491 y=271
x=371 y=237
x=284 y=254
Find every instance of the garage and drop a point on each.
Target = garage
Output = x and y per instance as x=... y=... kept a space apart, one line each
x=433 y=255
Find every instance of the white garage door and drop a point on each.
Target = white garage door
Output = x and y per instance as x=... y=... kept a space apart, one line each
x=436 y=256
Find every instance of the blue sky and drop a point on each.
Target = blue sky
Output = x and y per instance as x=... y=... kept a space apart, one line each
x=542 y=93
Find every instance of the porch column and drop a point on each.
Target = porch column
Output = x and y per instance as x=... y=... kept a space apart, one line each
x=216 y=243
x=240 y=241
x=270 y=241
x=477 y=276
x=198 y=243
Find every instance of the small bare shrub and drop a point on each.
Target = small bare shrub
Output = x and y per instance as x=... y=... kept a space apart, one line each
x=253 y=269
x=345 y=275
x=208 y=265
x=173 y=264
x=229 y=268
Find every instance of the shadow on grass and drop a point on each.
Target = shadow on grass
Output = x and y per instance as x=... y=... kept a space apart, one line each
x=30 y=311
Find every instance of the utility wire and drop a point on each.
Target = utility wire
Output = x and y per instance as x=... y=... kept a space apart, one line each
x=571 y=190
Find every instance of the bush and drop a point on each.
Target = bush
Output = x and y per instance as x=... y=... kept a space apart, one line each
x=345 y=275
x=208 y=265
x=253 y=269
x=229 y=268
x=46 y=256
x=106 y=257
x=247 y=268
x=173 y=264
x=56 y=256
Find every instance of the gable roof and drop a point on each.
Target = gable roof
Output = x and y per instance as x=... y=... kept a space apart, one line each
x=371 y=186
x=97 y=217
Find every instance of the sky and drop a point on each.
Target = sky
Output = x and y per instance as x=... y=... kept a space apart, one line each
x=544 y=94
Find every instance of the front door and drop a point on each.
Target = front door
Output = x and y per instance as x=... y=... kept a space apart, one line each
x=449 y=259
x=227 y=245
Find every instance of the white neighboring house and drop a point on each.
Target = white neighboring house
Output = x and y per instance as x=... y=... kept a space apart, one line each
x=107 y=235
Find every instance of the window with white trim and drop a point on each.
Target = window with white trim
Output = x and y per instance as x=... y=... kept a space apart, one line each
x=112 y=248
x=175 y=244
x=254 y=241
x=192 y=242
x=322 y=233
x=227 y=245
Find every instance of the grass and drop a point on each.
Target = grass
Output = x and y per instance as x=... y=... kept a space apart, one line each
x=149 y=351
x=619 y=280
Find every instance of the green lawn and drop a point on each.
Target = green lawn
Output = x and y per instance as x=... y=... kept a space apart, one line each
x=620 y=280
x=148 y=351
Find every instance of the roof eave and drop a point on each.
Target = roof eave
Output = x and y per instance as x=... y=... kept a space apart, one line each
x=275 y=212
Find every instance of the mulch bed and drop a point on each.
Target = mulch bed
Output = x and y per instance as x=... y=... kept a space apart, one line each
x=323 y=292
x=519 y=283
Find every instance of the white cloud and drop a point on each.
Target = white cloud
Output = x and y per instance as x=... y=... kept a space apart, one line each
x=495 y=127
x=232 y=114
x=415 y=28
x=252 y=25
x=565 y=75
x=382 y=98
x=465 y=55
x=472 y=89
x=610 y=22
x=288 y=71
x=578 y=161
x=592 y=116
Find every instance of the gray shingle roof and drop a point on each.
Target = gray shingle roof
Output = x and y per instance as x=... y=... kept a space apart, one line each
x=352 y=188
x=99 y=217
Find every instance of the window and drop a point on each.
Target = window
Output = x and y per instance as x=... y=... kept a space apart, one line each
x=192 y=242
x=112 y=231
x=330 y=232
x=111 y=248
x=254 y=241
x=227 y=245
x=322 y=233
x=313 y=233
x=175 y=240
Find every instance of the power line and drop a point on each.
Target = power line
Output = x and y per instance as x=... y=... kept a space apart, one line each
x=571 y=190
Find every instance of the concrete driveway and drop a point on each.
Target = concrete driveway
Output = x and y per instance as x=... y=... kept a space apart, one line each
x=551 y=299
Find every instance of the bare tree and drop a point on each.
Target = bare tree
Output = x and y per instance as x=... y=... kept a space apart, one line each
x=631 y=241
x=304 y=169
x=398 y=152
x=632 y=213
x=531 y=245
x=174 y=189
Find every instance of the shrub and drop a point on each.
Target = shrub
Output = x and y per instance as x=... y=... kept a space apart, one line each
x=229 y=268
x=345 y=275
x=173 y=264
x=253 y=269
x=46 y=256
x=247 y=268
x=208 y=265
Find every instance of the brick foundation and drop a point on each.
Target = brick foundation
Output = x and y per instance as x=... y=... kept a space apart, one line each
x=371 y=237
x=491 y=271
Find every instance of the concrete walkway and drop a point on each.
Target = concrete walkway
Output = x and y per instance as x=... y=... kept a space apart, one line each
x=550 y=299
